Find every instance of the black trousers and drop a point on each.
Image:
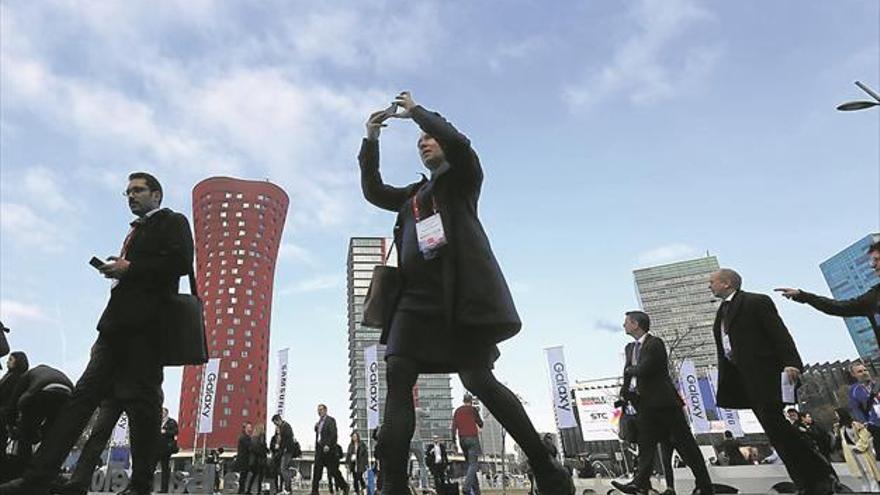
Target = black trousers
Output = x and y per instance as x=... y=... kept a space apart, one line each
x=438 y=471
x=108 y=416
x=323 y=460
x=804 y=464
x=128 y=364
x=659 y=425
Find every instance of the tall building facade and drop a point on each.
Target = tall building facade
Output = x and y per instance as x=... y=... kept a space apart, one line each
x=491 y=441
x=238 y=226
x=682 y=310
x=432 y=393
x=849 y=274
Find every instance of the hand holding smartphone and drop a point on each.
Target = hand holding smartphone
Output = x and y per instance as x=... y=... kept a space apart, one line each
x=96 y=262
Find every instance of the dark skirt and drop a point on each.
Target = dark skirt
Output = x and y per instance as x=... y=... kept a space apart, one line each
x=425 y=339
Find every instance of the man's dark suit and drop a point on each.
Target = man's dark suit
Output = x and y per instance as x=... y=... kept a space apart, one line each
x=167 y=448
x=326 y=436
x=438 y=469
x=659 y=411
x=124 y=360
x=108 y=415
x=751 y=379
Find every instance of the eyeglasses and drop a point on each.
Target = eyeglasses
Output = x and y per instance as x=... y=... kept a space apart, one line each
x=135 y=190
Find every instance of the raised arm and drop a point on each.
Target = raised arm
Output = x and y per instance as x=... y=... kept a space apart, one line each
x=858 y=306
x=375 y=191
x=464 y=163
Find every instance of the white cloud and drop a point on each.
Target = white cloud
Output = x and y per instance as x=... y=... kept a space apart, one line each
x=516 y=52
x=608 y=326
x=21 y=225
x=667 y=253
x=646 y=68
x=289 y=251
x=12 y=312
x=41 y=185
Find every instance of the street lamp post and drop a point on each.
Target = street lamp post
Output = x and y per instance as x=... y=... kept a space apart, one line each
x=861 y=104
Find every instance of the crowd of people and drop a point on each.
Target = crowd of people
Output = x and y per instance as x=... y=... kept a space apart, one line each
x=444 y=309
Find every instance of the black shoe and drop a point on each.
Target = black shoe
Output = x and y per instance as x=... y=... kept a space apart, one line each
x=134 y=491
x=21 y=487
x=630 y=488
x=553 y=479
x=68 y=488
x=668 y=491
x=704 y=490
x=824 y=487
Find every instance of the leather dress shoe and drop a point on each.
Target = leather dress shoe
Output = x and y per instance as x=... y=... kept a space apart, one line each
x=553 y=479
x=630 y=488
x=703 y=490
x=68 y=488
x=134 y=491
x=21 y=486
x=668 y=491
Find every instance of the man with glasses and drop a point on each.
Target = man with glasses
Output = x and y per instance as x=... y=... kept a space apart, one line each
x=125 y=362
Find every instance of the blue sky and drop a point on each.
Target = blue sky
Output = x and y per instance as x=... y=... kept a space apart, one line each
x=614 y=135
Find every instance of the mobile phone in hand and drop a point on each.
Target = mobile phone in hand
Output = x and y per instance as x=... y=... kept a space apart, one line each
x=96 y=262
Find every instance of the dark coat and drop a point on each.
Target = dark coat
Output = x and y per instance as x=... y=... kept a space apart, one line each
x=168 y=440
x=357 y=461
x=654 y=387
x=243 y=453
x=31 y=383
x=259 y=452
x=762 y=347
x=476 y=296
x=160 y=252
x=867 y=305
x=285 y=445
x=431 y=456
x=328 y=436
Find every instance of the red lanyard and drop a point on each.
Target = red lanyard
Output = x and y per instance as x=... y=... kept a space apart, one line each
x=415 y=206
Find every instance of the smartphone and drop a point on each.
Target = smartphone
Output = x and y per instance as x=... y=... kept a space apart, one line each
x=391 y=110
x=96 y=262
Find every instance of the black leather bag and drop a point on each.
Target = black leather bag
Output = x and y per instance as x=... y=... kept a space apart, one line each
x=381 y=296
x=183 y=326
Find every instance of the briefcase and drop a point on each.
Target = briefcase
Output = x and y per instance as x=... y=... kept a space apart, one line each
x=381 y=296
x=183 y=326
x=451 y=489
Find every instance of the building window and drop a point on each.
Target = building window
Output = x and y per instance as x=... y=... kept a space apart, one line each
x=247 y=377
x=227 y=411
x=245 y=412
x=230 y=387
x=233 y=364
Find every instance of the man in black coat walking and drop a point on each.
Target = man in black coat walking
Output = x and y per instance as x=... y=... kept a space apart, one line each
x=167 y=447
x=282 y=452
x=867 y=305
x=647 y=386
x=125 y=359
x=325 y=451
x=755 y=352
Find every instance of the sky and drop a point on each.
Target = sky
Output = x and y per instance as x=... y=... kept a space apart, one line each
x=613 y=136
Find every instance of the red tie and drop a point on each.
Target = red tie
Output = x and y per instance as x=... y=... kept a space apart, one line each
x=134 y=226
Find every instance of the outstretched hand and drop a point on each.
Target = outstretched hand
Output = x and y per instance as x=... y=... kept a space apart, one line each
x=788 y=293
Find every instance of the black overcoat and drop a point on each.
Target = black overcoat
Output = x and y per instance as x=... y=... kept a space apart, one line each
x=762 y=347
x=476 y=297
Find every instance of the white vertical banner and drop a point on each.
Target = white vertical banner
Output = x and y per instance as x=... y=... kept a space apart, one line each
x=693 y=397
x=209 y=395
x=730 y=417
x=120 y=431
x=371 y=373
x=562 y=405
x=282 y=380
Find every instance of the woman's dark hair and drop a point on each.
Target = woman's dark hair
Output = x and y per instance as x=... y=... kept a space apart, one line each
x=356 y=434
x=846 y=418
x=21 y=362
x=874 y=247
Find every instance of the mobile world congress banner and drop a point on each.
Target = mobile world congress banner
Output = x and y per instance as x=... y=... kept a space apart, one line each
x=209 y=395
x=598 y=416
x=282 y=380
x=559 y=389
x=371 y=372
x=693 y=397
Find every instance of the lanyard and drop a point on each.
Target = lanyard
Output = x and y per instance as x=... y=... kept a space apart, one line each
x=415 y=206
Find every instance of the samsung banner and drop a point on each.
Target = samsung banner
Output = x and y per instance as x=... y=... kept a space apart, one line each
x=282 y=380
x=729 y=417
x=371 y=373
x=559 y=389
x=596 y=410
x=693 y=397
x=209 y=395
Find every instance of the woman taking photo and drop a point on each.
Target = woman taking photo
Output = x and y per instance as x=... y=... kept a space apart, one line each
x=454 y=305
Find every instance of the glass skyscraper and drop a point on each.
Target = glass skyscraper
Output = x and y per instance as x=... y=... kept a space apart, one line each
x=432 y=393
x=849 y=274
x=682 y=310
